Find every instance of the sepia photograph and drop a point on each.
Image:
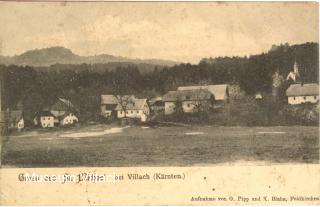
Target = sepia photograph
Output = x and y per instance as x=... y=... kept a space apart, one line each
x=147 y=84
x=159 y=103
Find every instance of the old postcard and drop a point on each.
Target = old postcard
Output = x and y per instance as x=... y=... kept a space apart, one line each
x=159 y=103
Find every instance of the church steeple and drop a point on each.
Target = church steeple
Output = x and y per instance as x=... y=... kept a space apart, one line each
x=296 y=67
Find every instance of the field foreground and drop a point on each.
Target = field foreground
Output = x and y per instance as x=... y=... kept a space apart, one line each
x=107 y=146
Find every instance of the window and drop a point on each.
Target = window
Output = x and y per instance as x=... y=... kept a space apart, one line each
x=315 y=97
x=294 y=98
x=131 y=112
x=304 y=98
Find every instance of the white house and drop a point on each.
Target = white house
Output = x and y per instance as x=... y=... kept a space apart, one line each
x=303 y=93
x=45 y=119
x=64 y=112
x=61 y=107
x=190 y=101
x=134 y=108
x=68 y=119
x=12 y=119
x=110 y=102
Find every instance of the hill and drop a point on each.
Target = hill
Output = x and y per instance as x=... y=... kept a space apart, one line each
x=60 y=55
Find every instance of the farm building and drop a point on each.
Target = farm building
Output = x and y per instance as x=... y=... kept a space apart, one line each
x=303 y=93
x=45 y=119
x=157 y=105
x=68 y=119
x=124 y=106
x=190 y=101
x=135 y=108
x=12 y=119
x=64 y=112
x=109 y=104
x=61 y=107
x=220 y=92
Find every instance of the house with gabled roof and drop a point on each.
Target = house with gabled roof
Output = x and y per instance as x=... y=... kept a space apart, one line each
x=122 y=106
x=303 y=93
x=190 y=101
x=44 y=119
x=220 y=92
x=64 y=112
x=110 y=102
x=135 y=108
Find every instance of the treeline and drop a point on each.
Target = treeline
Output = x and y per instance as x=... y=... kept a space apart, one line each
x=33 y=89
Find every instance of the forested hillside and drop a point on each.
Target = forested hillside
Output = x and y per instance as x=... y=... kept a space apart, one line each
x=32 y=88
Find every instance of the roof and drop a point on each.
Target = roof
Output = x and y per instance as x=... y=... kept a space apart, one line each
x=44 y=113
x=303 y=89
x=62 y=105
x=114 y=99
x=11 y=116
x=155 y=100
x=133 y=104
x=108 y=99
x=220 y=92
x=185 y=95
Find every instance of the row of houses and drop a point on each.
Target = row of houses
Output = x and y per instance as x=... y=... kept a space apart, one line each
x=62 y=113
x=187 y=99
x=191 y=98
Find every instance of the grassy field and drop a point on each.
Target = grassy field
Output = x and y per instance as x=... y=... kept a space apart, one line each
x=160 y=146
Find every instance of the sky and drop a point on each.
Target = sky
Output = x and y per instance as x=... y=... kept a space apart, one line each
x=181 y=31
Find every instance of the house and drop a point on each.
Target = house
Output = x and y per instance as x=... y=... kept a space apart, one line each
x=12 y=119
x=303 y=93
x=134 y=108
x=258 y=96
x=64 y=112
x=61 y=107
x=121 y=106
x=157 y=105
x=220 y=92
x=108 y=105
x=68 y=119
x=190 y=101
x=45 y=119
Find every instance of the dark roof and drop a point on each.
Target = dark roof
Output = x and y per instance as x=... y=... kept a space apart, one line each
x=133 y=104
x=62 y=105
x=11 y=116
x=108 y=99
x=44 y=113
x=188 y=95
x=111 y=106
x=220 y=92
x=114 y=99
x=310 y=89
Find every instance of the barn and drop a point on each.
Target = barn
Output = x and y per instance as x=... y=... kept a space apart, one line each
x=303 y=93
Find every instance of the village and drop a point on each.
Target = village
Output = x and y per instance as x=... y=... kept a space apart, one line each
x=185 y=99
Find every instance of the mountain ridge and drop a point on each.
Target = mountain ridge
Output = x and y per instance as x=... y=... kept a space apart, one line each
x=61 y=55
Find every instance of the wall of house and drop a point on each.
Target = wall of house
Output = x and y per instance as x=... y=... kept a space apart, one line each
x=169 y=107
x=20 y=124
x=135 y=113
x=47 y=121
x=68 y=120
x=130 y=113
x=302 y=99
x=189 y=106
x=194 y=106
